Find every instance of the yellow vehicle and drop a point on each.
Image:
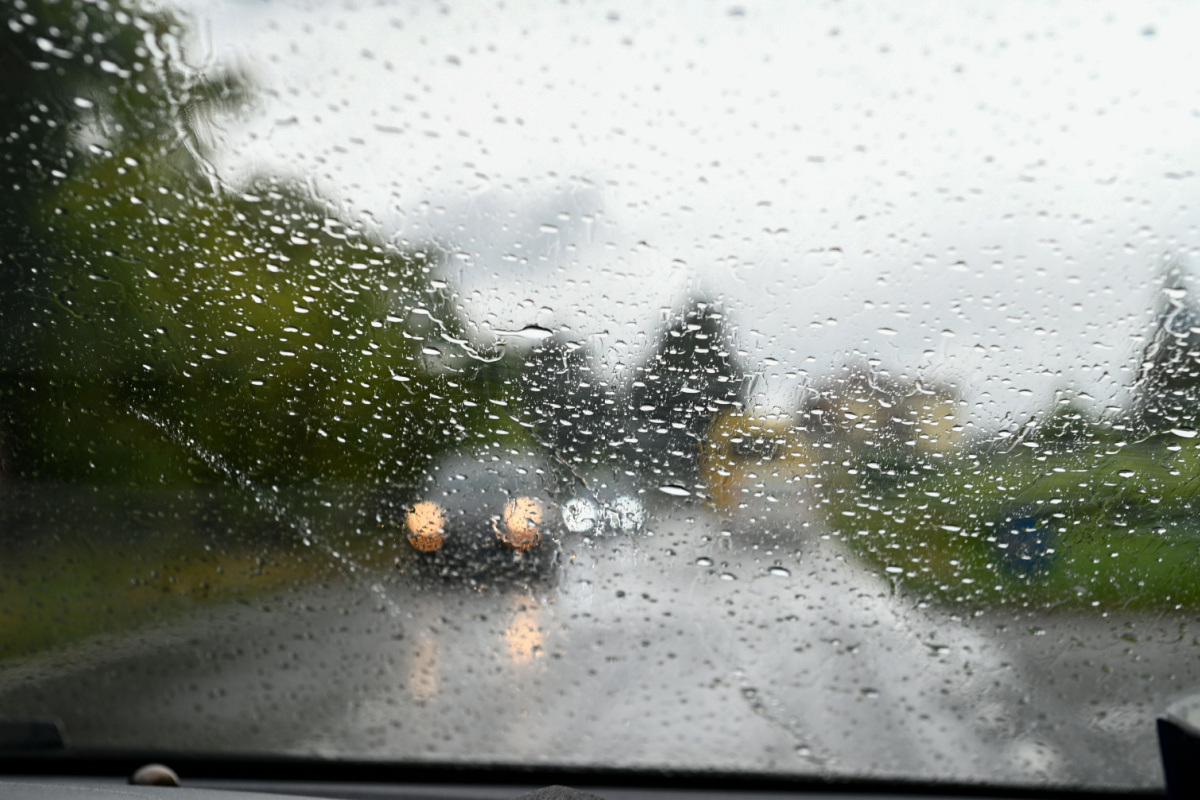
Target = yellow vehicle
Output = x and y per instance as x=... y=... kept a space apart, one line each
x=751 y=460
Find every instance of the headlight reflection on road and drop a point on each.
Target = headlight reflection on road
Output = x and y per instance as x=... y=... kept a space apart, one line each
x=521 y=525
x=424 y=678
x=426 y=526
x=524 y=633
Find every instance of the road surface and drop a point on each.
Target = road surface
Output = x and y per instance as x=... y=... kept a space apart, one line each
x=685 y=647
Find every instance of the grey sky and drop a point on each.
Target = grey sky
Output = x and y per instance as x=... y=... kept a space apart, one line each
x=976 y=193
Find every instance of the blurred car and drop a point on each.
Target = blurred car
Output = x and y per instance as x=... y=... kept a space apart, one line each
x=500 y=522
x=477 y=521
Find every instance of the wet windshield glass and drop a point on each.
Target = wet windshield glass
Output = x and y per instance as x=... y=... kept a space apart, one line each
x=798 y=389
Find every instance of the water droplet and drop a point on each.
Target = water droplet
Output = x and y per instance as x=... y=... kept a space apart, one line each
x=893 y=570
x=780 y=572
x=1126 y=473
x=704 y=562
x=1184 y=433
x=887 y=331
x=83 y=102
x=674 y=491
x=728 y=576
x=534 y=333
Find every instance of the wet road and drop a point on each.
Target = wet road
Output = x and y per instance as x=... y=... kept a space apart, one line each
x=688 y=648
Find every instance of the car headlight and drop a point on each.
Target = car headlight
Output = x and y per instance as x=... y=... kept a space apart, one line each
x=520 y=527
x=425 y=523
x=579 y=515
x=626 y=514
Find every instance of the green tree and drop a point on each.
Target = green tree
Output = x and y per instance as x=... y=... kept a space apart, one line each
x=160 y=326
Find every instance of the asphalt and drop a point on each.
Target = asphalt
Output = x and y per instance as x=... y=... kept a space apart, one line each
x=680 y=646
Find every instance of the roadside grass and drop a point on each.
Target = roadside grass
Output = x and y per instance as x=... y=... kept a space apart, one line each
x=105 y=563
x=1115 y=527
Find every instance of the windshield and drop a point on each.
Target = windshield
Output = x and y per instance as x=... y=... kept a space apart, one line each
x=805 y=389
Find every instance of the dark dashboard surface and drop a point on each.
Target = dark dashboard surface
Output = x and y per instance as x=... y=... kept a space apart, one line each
x=102 y=775
x=42 y=788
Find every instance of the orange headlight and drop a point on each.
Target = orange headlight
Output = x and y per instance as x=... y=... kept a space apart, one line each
x=521 y=525
x=426 y=526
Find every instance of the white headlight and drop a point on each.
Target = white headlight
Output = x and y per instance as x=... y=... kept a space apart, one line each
x=626 y=513
x=579 y=515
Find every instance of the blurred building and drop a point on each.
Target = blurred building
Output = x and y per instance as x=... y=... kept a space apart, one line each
x=879 y=418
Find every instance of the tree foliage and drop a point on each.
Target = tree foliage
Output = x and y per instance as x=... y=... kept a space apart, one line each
x=159 y=325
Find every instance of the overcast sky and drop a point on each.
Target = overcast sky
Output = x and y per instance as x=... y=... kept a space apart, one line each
x=975 y=193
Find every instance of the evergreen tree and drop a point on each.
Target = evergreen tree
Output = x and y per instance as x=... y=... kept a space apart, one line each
x=569 y=403
x=690 y=375
x=1168 y=385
